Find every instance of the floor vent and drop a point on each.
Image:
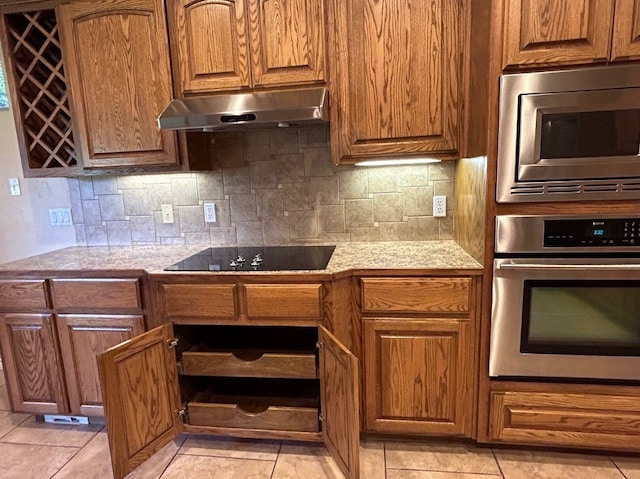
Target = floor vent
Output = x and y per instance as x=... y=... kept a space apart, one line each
x=70 y=420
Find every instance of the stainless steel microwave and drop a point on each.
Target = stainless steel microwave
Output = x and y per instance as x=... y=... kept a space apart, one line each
x=569 y=135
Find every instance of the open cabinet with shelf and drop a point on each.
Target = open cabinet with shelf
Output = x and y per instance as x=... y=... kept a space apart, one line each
x=152 y=396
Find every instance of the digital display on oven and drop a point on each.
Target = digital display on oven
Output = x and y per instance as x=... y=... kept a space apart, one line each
x=592 y=232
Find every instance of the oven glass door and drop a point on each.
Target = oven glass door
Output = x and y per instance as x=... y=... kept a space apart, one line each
x=568 y=318
x=579 y=135
x=581 y=317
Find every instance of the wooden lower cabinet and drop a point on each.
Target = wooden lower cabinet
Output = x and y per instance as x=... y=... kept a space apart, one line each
x=231 y=380
x=52 y=329
x=82 y=338
x=566 y=418
x=419 y=376
x=419 y=354
x=31 y=364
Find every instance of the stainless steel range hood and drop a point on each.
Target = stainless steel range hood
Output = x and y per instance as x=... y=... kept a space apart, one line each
x=247 y=110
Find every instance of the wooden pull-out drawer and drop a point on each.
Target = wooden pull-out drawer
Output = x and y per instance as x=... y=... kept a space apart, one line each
x=22 y=294
x=96 y=293
x=200 y=300
x=249 y=363
x=416 y=295
x=271 y=413
x=284 y=301
x=584 y=420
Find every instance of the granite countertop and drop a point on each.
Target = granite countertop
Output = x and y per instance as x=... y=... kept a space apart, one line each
x=153 y=259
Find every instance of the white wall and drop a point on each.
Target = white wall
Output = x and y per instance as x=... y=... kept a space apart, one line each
x=24 y=220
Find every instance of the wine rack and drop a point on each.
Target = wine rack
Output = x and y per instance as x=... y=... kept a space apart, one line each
x=41 y=93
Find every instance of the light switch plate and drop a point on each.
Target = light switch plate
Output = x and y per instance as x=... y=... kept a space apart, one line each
x=210 y=213
x=167 y=213
x=60 y=217
x=14 y=187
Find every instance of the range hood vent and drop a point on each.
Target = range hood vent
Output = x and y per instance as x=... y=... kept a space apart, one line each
x=240 y=111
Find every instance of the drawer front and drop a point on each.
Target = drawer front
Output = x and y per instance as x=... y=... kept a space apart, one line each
x=200 y=300
x=267 y=365
x=23 y=294
x=280 y=418
x=416 y=295
x=96 y=293
x=582 y=420
x=287 y=301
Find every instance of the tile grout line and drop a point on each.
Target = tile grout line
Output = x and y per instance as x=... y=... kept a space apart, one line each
x=617 y=467
x=495 y=458
x=384 y=456
x=273 y=470
x=173 y=457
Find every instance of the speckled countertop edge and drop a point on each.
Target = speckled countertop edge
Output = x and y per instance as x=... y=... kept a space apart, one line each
x=416 y=255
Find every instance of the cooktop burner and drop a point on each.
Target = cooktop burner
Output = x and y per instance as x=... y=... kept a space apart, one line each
x=257 y=258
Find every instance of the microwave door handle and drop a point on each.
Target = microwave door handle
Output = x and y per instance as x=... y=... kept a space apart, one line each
x=572 y=267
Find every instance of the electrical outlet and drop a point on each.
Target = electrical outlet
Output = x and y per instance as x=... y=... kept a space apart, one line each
x=14 y=187
x=439 y=206
x=167 y=213
x=210 y=213
x=60 y=217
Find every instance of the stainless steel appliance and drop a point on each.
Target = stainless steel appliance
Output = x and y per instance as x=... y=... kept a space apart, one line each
x=566 y=298
x=238 y=111
x=257 y=258
x=569 y=135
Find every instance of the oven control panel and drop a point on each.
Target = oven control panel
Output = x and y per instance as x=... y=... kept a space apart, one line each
x=596 y=232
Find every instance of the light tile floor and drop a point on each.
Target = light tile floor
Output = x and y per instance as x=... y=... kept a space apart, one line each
x=34 y=450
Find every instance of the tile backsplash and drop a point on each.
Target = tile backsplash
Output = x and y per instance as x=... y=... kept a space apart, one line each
x=271 y=187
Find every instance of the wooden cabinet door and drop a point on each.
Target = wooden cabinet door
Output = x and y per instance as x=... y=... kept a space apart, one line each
x=139 y=380
x=551 y=32
x=339 y=390
x=30 y=360
x=419 y=376
x=210 y=42
x=287 y=41
x=396 y=77
x=117 y=58
x=82 y=339
x=625 y=44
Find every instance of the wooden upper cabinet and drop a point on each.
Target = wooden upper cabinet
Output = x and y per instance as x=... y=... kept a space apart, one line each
x=117 y=58
x=287 y=41
x=222 y=45
x=210 y=44
x=625 y=44
x=548 y=32
x=396 y=77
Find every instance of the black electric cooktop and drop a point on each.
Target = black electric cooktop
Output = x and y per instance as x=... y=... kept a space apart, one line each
x=257 y=258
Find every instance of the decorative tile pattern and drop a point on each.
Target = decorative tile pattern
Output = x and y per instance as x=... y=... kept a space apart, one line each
x=270 y=179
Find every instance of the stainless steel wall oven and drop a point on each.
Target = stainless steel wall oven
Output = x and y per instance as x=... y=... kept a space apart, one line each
x=569 y=135
x=566 y=298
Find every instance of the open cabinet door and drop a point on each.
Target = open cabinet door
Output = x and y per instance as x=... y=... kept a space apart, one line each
x=339 y=390
x=139 y=382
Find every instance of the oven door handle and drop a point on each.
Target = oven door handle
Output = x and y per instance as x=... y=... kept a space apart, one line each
x=571 y=267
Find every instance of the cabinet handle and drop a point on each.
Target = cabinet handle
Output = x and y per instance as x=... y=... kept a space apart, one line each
x=172 y=343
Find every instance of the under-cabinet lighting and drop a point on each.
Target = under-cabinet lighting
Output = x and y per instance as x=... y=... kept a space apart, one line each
x=398 y=161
